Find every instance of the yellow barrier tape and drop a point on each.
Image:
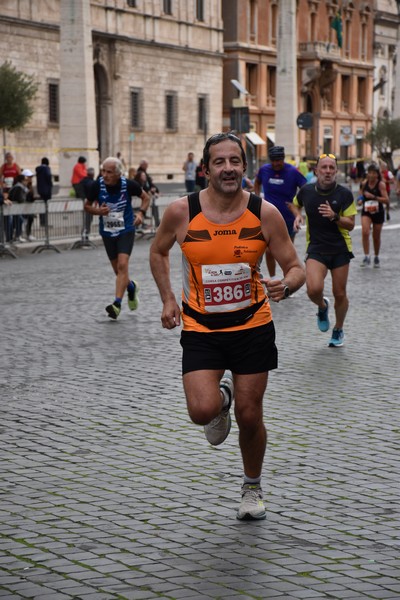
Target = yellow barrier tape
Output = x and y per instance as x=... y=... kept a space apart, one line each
x=44 y=150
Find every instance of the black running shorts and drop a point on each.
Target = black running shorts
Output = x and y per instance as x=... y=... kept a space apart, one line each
x=120 y=244
x=331 y=261
x=243 y=352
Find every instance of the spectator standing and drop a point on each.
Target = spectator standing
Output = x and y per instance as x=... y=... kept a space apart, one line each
x=388 y=179
x=87 y=183
x=280 y=182
x=303 y=166
x=8 y=172
x=44 y=184
x=30 y=197
x=189 y=167
x=123 y=163
x=17 y=195
x=79 y=172
x=201 y=181
x=110 y=197
x=330 y=210
x=398 y=181
x=149 y=186
x=373 y=199
x=360 y=170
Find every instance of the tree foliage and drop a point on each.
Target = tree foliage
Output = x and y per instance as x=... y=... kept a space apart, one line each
x=384 y=137
x=17 y=91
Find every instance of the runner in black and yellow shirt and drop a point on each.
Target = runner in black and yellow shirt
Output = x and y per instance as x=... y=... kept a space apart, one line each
x=330 y=215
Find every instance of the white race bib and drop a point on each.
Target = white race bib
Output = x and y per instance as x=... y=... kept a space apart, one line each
x=371 y=206
x=226 y=287
x=114 y=222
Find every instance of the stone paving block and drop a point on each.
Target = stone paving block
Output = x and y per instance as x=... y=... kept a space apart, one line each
x=111 y=470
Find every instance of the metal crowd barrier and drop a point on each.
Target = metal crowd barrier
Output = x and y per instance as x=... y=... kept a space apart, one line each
x=64 y=219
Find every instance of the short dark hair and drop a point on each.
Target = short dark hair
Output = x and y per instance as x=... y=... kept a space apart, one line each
x=81 y=159
x=45 y=161
x=217 y=139
x=375 y=167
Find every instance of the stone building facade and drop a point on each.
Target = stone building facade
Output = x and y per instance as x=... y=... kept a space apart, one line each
x=157 y=74
x=334 y=84
x=386 y=39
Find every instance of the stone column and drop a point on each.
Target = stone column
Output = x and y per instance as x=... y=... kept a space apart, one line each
x=78 y=132
x=396 y=109
x=286 y=130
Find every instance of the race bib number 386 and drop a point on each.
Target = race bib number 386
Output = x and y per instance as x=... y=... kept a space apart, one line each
x=226 y=287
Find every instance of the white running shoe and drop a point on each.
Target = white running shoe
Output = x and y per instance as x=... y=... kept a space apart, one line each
x=218 y=429
x=252 y=505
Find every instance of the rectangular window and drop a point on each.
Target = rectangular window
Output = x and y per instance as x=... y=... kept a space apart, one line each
x=271 y=85
x=167 y=7
x=200 y=10
x=361 y=94
x=136 y=108
x=251 y=78
x=273 y=23
x=202 y=113
x=132 y=3
x=345 y=92
x=253 y=21
x=54 y=105
x=171 y=111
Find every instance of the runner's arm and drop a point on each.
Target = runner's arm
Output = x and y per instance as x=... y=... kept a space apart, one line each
x=282 y=249
x=383 y=195
x=174 y=218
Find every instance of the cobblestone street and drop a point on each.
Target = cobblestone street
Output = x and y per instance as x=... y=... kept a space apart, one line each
x=108 y=491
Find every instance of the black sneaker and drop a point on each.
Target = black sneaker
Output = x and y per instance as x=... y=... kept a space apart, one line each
x=113 y=310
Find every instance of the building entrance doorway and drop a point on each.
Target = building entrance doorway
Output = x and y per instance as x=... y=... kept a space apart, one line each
x=103 y=111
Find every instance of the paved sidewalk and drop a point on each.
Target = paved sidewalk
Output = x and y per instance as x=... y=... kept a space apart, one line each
x=109 y=492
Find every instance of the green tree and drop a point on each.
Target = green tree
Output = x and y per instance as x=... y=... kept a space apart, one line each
x=384 y=137
x=17 y=91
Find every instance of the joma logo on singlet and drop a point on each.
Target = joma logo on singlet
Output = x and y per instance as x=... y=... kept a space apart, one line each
x=225 y=232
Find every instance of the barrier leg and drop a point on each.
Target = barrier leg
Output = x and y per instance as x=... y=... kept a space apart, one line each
x=84 y=242
x=3 y=248
x=46 y=245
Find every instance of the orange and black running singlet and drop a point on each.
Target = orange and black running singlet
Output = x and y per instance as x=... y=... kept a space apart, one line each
x=221 y=271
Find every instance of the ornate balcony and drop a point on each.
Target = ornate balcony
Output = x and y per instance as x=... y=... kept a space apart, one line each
x=319 y=51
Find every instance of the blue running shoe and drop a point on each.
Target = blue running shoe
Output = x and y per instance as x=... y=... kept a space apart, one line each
x=322 y=317
x=337 y=338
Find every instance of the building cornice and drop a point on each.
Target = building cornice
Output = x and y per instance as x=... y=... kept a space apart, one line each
x=155 y=44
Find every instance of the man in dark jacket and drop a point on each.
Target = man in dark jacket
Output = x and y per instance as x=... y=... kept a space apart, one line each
x=44 y=184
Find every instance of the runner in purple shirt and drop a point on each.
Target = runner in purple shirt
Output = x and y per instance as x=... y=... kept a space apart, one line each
x=280 y=182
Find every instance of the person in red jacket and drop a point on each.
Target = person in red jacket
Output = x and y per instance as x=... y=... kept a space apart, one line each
x=8 y=172
x=79 y=172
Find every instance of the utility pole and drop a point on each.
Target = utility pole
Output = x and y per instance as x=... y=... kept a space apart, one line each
x=78 y=132
x=286 y=132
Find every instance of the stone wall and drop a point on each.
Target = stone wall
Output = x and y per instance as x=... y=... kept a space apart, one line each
x=139 y=48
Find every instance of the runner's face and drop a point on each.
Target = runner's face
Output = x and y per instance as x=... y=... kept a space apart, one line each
x=372 y=176
x=110 y=175
x=326 y=172
x=226 y=167
x=277 y=164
